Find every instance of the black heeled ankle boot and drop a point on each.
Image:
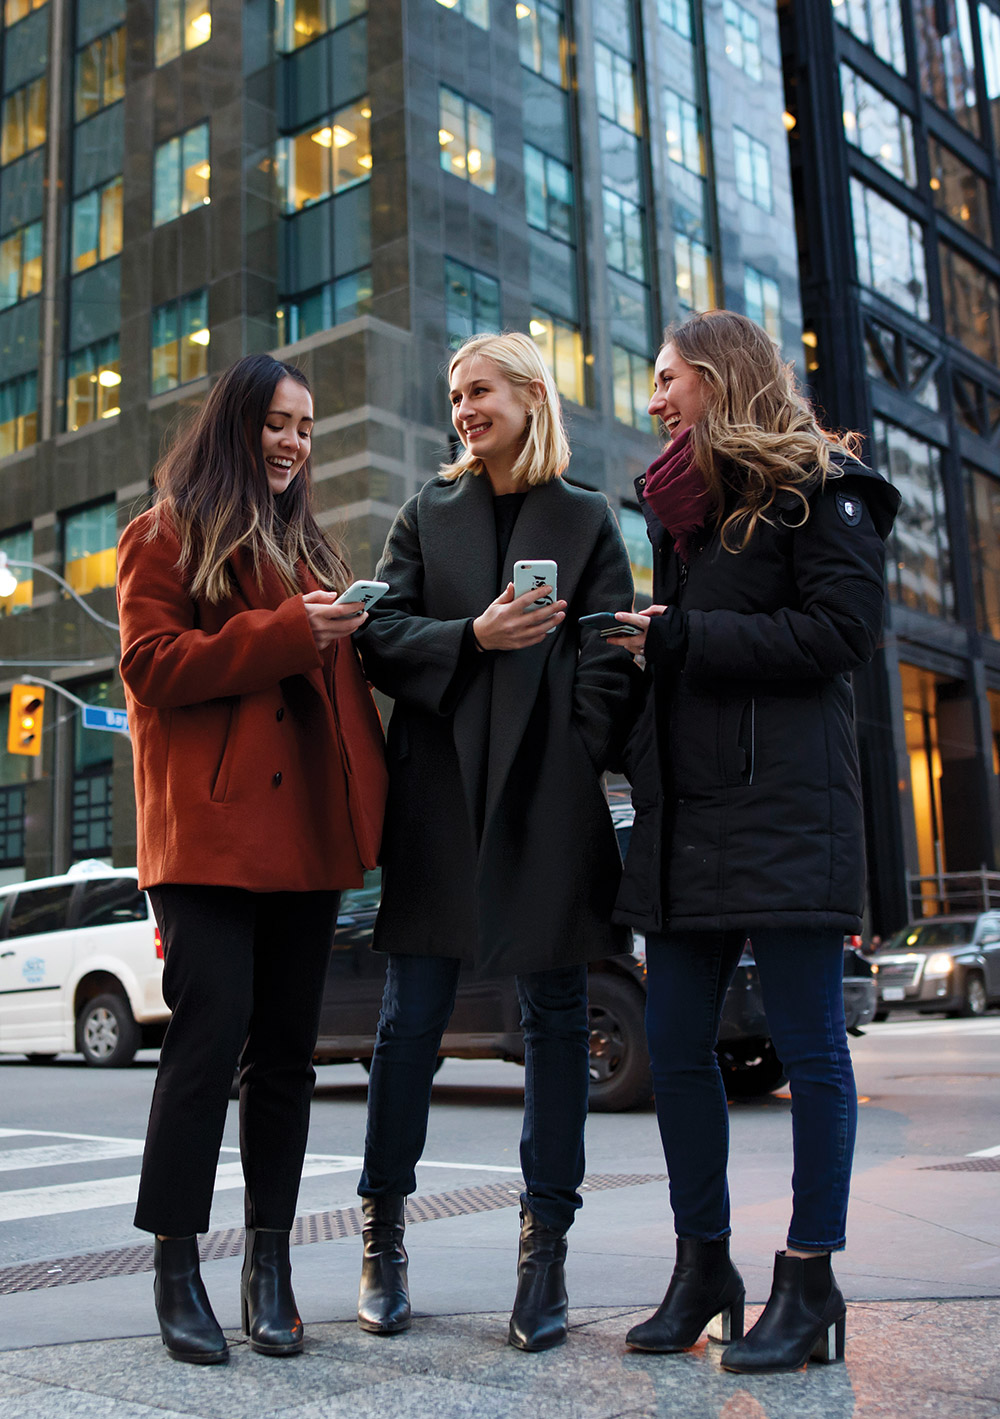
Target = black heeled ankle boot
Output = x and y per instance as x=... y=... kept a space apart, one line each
x=704 y=1284
x=804 y=1319
x=189 y=1329
x=270 y=1316
x=384 y=1298
x=540 y=1318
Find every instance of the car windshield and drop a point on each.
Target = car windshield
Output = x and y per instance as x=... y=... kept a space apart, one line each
x=935 y=933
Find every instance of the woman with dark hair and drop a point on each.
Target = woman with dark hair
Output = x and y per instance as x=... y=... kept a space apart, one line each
x=768 y=540
x=260 y=783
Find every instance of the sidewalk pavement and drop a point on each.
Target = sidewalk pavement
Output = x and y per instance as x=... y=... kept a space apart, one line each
x=923 y=1324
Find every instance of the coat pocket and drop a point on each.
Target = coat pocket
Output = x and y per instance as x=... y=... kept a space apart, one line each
x=220 y=783
x=747 y=742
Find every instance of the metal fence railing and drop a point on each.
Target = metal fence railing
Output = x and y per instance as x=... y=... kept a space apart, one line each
x=944 y=893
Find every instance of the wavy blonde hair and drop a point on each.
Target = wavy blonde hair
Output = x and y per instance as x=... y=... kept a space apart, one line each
x=545 y=454
x=758 y=435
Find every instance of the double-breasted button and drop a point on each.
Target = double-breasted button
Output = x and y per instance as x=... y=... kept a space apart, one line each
x=277 y=779
x=280 y=715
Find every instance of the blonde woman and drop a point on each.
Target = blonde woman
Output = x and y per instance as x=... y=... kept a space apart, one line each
x=768 y=541
x=499 y=848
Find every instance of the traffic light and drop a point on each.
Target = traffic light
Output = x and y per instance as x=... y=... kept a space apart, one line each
x=24 y=731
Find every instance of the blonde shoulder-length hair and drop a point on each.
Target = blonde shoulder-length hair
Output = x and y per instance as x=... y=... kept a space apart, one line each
x=545 y=454
x=758 y=436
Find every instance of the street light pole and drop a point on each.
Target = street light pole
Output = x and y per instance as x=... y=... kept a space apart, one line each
x=8 y=585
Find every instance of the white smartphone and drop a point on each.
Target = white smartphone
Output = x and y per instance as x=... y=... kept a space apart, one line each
x=367 y=592
x=530 y=575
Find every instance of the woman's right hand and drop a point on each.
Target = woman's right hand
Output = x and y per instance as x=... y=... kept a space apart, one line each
x=330 y=620
x=507 y=623
x=635 y=644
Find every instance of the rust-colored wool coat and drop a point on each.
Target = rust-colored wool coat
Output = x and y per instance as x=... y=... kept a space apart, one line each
x=259 y=763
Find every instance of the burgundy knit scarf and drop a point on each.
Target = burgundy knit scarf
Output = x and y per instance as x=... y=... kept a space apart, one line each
x=676 y=492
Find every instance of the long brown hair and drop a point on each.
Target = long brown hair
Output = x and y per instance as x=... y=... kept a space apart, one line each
x=758 y=436
x=213 y=484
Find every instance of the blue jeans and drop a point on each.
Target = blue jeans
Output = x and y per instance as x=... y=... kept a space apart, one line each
x=416 y=1007
x=801 y=976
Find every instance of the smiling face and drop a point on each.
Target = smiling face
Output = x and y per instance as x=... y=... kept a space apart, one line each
x=286 y=437
x=678 y=392
x=488 y=412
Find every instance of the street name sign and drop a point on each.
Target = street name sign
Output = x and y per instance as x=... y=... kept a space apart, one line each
x=98 y=717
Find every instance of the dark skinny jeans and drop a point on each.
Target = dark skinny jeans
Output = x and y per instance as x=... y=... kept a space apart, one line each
x=801 y=976
x=417 y=1003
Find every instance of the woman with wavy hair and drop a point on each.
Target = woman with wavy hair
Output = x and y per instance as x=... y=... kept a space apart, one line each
x=499 y=848
x=768 y=540
x=260 y=783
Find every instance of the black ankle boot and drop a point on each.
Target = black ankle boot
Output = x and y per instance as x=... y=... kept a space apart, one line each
x=803 y=1319
x=540 y=1318
x=270 y=1315
x=704 y=1284
x=189 y=1329
x=384 y=1299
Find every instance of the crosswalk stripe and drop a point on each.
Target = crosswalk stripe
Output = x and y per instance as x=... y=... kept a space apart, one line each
x=59 y=1154
x=884 y=1032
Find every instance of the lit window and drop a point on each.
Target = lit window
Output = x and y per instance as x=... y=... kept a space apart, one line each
x=21 y=265
x=878 y=24
x=676 y=14
x=15 y=10
x=693 y=276
x=329 y=156
x=548 y=194
x=465 y=137
x=889 y=248
x=100 y=73
x=959 y=191
x=623 y=237
x=472 y=303
x=179 y=342
x=329 y=305
x=24 y=120
x=877 y=127
x=299 y=22
x=478 y=11
x=93 y=384
x=180 y=25
x=181 y=175
x=542 y=40
x=753 y=169
x=742 y=39
x=18 y=414
x=632 y=378
x=90 y=541
x=562 y=350
x=639 y=548
x=18 y=547
x=971 y=304
x=983 y=495
x=97 y=225
x=616 y=91
x=762 y=299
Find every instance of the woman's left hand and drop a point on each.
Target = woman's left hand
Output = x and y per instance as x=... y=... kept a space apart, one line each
x=635 y=644
x=330 y=619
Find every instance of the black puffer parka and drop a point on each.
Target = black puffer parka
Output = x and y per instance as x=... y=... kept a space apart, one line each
x=743 y=763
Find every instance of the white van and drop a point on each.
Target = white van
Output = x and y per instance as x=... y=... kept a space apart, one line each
x=81 y=967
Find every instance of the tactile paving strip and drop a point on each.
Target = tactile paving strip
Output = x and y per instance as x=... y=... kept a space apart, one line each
x=315 y=1227
x=967 y=1165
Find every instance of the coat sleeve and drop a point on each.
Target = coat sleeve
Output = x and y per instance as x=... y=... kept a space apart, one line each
x=607 y=682
x=168 y=662
x=407 y=654
x=839 y=572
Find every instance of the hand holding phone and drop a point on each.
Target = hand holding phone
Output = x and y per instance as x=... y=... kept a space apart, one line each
x=606 y=625
x=367 y=592
x=532 y=576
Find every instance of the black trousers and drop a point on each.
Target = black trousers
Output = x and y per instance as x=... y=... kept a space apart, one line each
x=243 y=975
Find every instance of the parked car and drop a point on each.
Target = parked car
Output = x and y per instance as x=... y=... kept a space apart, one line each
x=941 y=963
x=80 y=967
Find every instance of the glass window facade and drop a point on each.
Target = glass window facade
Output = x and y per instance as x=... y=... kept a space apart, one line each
x=562 y=350
x=762 y=300
x=983 y=505
x=471 y=302
x=959 y=191
x=742 y=31
x=478 y=11
x=90 y=542
x=179 y=339
x=93 y=377
x=918 y=565
x=15 y=10
x=548 y=194
x=465 y=136
x=96 y=226
x=683 y=133
x=181 y=175
x=878 y=24
x=632 y=379
x=21 y=265
x=889 y=248
x=180 y=25
x=90 y=821
x=753 y=169
x=971 y=304
x=18 y=414
x=541 y=40
x=676 y=14
x=877 y=127
x=640 y=551
x=24 y=120
x=328 y=305
x=299 y=22
x=327 y=157
x=623 y=236
x=947 y=58
x=989 y=32
x=100 y=74
x=18 y=547
x=693 y=276
x=617 y=98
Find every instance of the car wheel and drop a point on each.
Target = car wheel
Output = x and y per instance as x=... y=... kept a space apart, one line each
x=974 y=1000
x=619 y=1059
x=750 y=1069
x=106 y=1033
